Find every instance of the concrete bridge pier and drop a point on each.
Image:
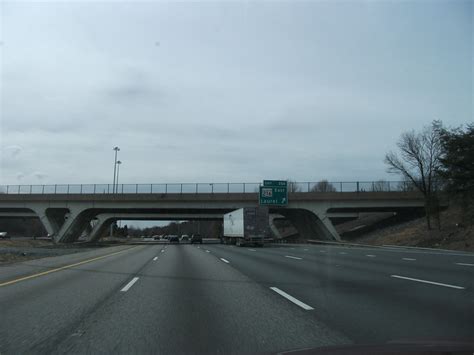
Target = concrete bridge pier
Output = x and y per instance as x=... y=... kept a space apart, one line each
x=311 y=224
x=52 y=219
x=75 y=222
x=273 y=227
x=103 y=223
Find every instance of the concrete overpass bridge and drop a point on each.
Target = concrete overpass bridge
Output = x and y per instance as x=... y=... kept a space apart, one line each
x=65 y=216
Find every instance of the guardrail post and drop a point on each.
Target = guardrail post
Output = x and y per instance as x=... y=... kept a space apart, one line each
x=94 y=188
x=55 y=188
x=196 y=188
x=68 y=189
x=81 y=189
x=341 y=186
x=166 y=188
x=31 y=188
x=244 y=187
x=357 y=186
x=308 y=187
x=136 y=188
x=8 y=188
x=181 y=188
x=122 y=188
x=151 y=188
x=212 y=188
x=228 y=188
x=108 y=188
x=373 y=186
x=388 y=185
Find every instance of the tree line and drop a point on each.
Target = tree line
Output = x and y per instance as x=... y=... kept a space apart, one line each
x=436 y=161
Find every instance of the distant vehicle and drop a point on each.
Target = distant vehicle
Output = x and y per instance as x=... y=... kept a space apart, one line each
x=173 y=239
x=196 y=238
x=185 y=238
x=4 y=235
x=248 y=225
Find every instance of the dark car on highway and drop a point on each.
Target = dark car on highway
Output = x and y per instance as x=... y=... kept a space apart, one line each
x=196 y=238
x=173 y=239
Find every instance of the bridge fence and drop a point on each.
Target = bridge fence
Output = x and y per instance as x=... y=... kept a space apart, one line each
x=196 y=188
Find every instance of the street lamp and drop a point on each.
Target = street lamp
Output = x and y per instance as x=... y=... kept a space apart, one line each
x=118 y=171
x=117 y=149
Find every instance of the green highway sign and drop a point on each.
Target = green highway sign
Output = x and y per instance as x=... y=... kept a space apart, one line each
x=273 y=192
x=275 y=183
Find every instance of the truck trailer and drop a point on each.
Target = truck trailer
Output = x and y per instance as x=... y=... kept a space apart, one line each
x=247 y=226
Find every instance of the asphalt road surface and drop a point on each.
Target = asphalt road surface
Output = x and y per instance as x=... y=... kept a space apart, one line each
x=225 y=299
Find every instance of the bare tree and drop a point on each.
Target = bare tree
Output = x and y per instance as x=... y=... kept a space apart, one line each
x=323 y=186
x=406 y=186
x=293 y=186
x=380 y=186
x=418 y=161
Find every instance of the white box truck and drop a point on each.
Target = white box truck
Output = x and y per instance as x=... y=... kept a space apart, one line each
x=247 y=226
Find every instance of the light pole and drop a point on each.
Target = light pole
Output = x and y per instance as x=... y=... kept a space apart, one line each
x=118 y=171
x=117 y=149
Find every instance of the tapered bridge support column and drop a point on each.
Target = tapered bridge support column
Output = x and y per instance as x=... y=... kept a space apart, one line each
x=103 y=222
x=274 y=229
x=52 y=219
x=312 y=224
x=75 y=223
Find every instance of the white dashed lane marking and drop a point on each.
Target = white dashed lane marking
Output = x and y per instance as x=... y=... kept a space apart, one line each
x=428 y=282
x=129 y=285
x=293 y=257
x=292 y=299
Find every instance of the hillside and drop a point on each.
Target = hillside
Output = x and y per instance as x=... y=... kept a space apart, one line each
x=386 y=230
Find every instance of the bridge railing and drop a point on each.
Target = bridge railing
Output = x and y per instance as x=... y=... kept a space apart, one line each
x=196 y=188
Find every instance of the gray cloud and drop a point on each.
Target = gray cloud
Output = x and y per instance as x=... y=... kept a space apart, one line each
x=232 y=92
x=40 y=175
x=13 y=150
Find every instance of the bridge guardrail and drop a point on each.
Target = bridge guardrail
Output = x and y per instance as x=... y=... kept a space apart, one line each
x=196 y=188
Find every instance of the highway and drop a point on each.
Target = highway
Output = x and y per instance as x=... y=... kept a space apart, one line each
x=213 y=298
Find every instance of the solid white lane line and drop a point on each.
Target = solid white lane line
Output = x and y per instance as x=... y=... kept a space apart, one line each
x=224 y=260
x=370 y=255
x=342 y=253
x=293 y=257
x=409 y=259
x=162 y=250
x=251 y=249
x=322 y=251
x=428 y=282
x=305 y=249
x=155 y=258
x=129 y=285
x=464 y=264
x=207 y=251
x=292 y=299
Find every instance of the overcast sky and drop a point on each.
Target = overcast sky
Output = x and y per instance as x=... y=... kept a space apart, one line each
x=225 y=92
